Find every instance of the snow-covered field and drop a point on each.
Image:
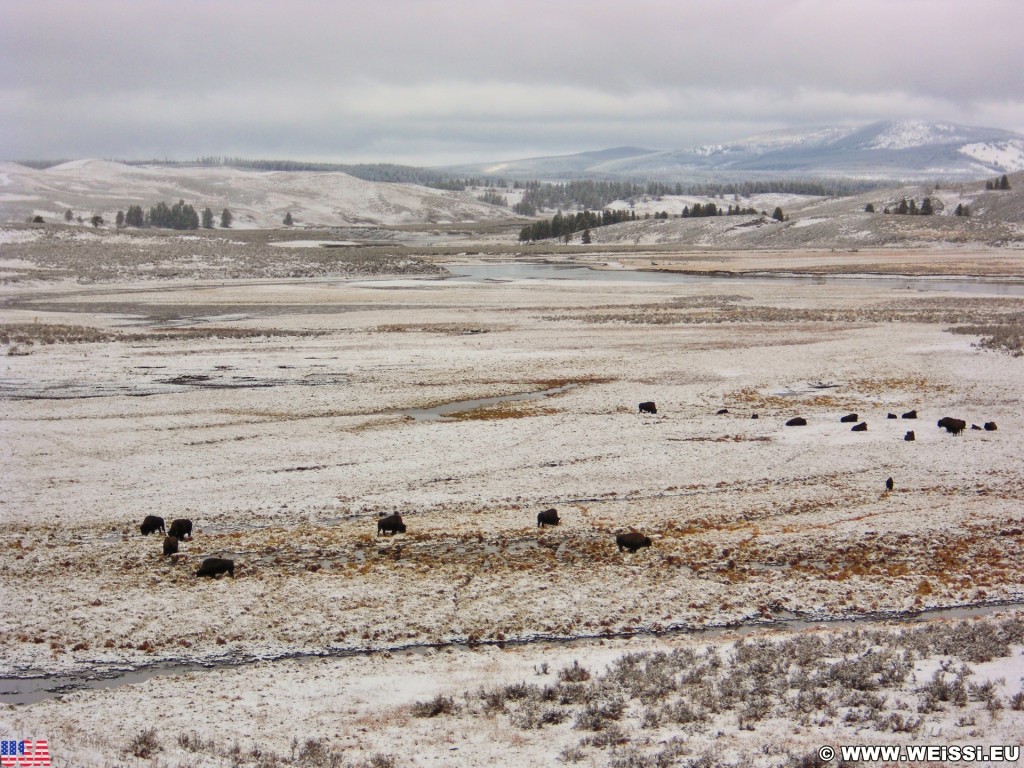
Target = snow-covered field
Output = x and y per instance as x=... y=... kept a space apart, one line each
x=275 y=414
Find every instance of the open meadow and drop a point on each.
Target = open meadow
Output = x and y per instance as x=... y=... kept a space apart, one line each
x=281 y=399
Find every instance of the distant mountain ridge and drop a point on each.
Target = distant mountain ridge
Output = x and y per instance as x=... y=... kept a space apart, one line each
x=883 y=151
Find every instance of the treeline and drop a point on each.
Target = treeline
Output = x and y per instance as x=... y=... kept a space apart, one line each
x=385 y=172
x=598 y=194
x=178 y=216
x=1000 y=183
x=565 y=225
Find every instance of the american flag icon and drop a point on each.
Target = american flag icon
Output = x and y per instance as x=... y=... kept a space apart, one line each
x=24 y=754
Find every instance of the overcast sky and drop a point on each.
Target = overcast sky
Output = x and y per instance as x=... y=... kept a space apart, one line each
x=438 y=81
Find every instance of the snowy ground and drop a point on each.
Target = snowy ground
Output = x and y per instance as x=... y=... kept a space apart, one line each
x=272 y=414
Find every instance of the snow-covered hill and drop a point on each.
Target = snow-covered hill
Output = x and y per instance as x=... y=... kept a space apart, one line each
x=890 y=150
x=255 y=198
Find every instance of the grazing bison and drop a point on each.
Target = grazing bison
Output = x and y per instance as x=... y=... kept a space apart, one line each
x=391 y=524
x=720 y=411
x=547 y=517
x=890 y=415
x=909 y=437
x=909 y=415
x=215 y=566
x=170 y=545
x=753 y=416
x=180 y=528
x=976 y=427
x=797 y=421
x=648 y=407
x=849 y=418
x=990 y=426
x=888 y=484
x=632 y=541
x=152 y=524
x=862 y=427
x=951 y=425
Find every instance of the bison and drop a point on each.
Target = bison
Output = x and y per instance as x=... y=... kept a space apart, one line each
x=391 y=524
x=720 y=411
x=180 y=528
x=890 y=415
x=215 y=566
x=648 y=407
x=152 y=524
x=951 y=425
x=850 y=418
x=547 y=517
x=990 y=426
x=797 y=421
x=909 y=415
x=862 y=427
x=909 y=437
x=632 y=541
x=170 y=545
x=888 y=484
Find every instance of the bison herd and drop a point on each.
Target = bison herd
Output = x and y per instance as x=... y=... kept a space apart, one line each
x=181 y=530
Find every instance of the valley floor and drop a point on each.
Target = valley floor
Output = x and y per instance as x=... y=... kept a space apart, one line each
x=278 y=416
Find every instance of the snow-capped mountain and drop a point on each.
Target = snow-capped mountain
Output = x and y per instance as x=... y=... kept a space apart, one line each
x=891 y=150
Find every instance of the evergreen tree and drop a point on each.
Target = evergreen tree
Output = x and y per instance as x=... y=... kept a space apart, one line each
x=869 y=208
x=134 y=217
x=119 y=219
x=68 y=215
x=585 y=237
x=1004 y=182
x=96 y=221
x=778 y=215
x=926 y=207
x=226 y=219
x=207 y=218
x=902 y=208
x=288 y=219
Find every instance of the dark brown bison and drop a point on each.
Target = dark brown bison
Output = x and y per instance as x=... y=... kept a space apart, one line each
x=975 y=427
x=990 y=426
x=862 y=427
x=648 y=407
x=391 y=524
x=797 y=421
x=951 y=425
x=215 y=566
x=547 y=517
x=890 y=415
x=909 y=437
x=720 y=411
x=909 y=415
x=152 y=524
x=849 y=418
x=170 y=545
x=180 y=528
x=888 y=484
x=632 y=541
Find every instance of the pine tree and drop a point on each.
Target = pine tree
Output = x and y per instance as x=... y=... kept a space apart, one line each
x=288 y=219
x=926 y=207
x=226 y=218
x=869 y=208
x=1004 y=182
x=119 y=219
x=68 y=215
x=778 y=215
x=585 y=237
x=207 y=218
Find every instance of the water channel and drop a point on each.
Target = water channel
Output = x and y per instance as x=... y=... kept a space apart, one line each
x=28 y=690
x=513 y=271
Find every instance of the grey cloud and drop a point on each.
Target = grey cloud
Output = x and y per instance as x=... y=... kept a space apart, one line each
x=429 y=80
